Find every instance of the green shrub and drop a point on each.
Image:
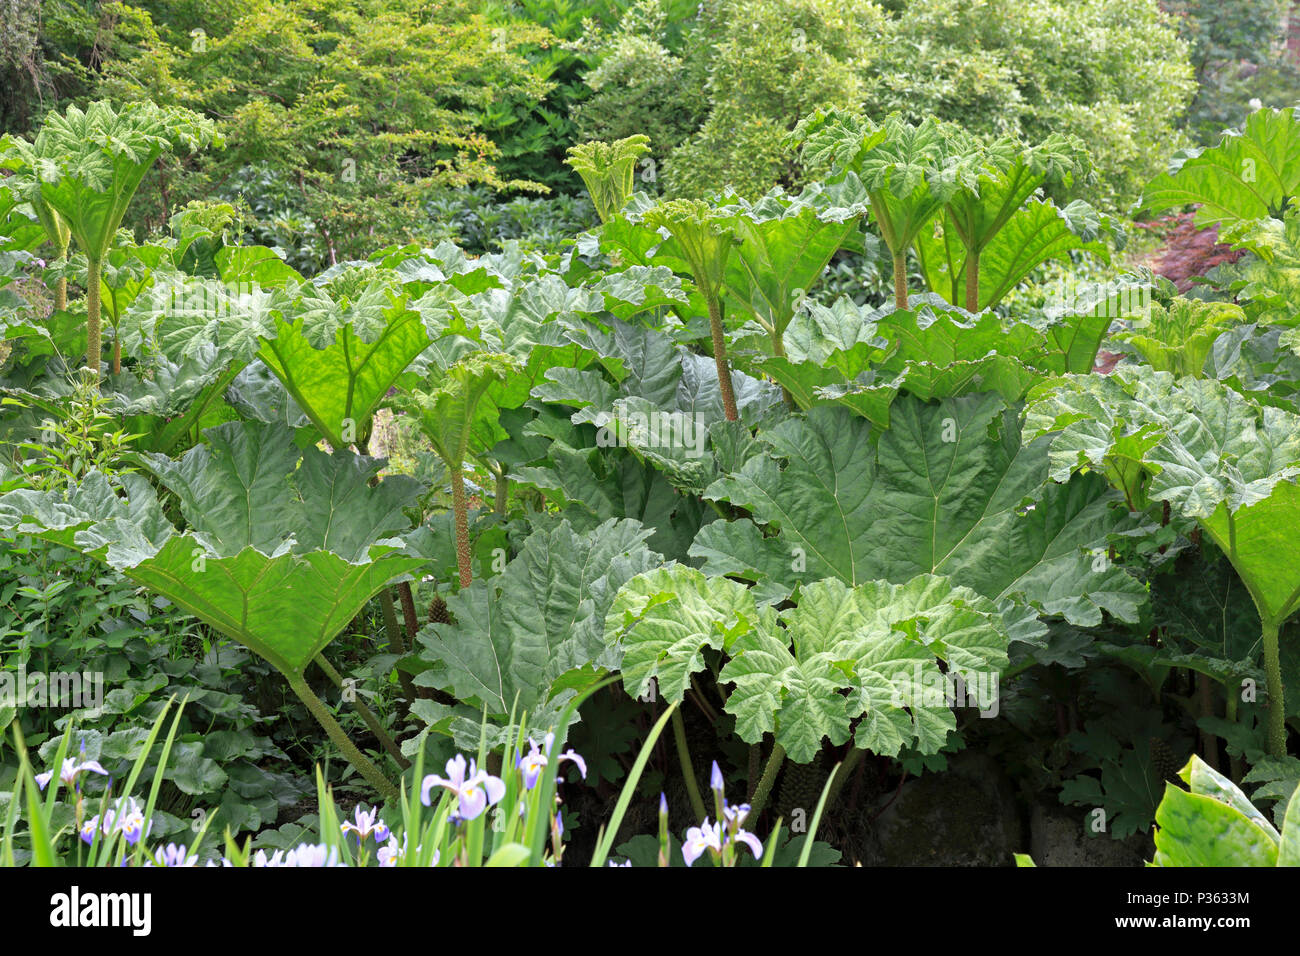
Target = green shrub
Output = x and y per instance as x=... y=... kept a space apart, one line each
x=1112 y=72
x=1115 y=74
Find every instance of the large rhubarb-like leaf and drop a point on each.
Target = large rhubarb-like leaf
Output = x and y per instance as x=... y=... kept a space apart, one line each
x=283 y=548
x=1036 y=233
x=1250 y=174
x=338 y=359
x=946 y=490
x=1178 y=338
x=543 y=615
x=1212 y=453
x=785 y=245
x=863 y=358
x=1215 y=824
x=881 y=643
x=661 y=621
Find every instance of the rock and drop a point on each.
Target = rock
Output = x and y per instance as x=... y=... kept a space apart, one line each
x=967 y=815
x=1059 y=836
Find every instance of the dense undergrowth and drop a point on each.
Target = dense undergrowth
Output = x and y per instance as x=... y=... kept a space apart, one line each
x=542 y=535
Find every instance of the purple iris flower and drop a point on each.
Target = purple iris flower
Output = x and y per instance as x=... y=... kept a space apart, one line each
x=475 y=789
x=304 y=855
x=312 y=854
x=70 y=771
x=534 y=762
x=126 y=818
x=174 y=856
x=735 y=815
x=366 y=824
x=720 y=836
x=754 y=843
x=707 y=836
x=390 y=854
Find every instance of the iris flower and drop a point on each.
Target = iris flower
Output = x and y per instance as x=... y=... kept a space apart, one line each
x=174 y=856
x=475 y=789
x=366 y=824
x=707 y=836
x=313 y=855
x=70 y=771
x=126 y=818
x=534 y=762
x=723 y=835
x=303 y=855
x=392 y=853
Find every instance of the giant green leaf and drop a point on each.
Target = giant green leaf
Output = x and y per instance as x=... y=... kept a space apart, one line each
x=338 y=367
x=1212 y=453
x=283 y=548
x=87 y=165
x=785 y=245
x=543 y=615
x=947 y=490
x=881 y=642
x=661 y=621
x=1250 y=174
x=1213 y=824
x=1035 y=233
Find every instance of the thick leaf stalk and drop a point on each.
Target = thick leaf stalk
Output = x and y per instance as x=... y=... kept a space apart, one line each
x=900 y=278
x=973 y=280
x=94 y=343
x=460 y=513
x=1276 y=697
x=360 y=761
x=764 y=788
x=720 y=360
x=366 y=714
